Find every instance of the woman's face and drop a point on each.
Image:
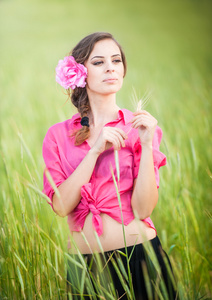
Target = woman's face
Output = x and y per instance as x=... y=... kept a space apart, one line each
x=105 y=69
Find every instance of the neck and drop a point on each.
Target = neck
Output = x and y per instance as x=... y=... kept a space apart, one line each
x=103 y=109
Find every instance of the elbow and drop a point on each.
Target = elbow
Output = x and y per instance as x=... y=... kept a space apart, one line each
x=59 y=212
x=142 y=211
x=58 y=207
x=143 y=214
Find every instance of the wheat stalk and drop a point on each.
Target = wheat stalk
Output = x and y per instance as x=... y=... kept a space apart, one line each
x=140 y=104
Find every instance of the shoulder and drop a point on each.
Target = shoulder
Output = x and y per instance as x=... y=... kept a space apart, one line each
x=64 y=126
x=62 y=129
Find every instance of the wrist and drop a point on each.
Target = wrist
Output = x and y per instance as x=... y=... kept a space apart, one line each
x=147 y=147
x=94 y=152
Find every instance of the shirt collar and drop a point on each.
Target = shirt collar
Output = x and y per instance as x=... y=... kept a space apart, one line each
x=123 y=114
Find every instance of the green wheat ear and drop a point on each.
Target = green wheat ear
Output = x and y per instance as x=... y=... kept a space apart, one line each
x=139 y=104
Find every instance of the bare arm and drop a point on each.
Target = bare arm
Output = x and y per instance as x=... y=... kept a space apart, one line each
x=145 y=193
x=70 y=189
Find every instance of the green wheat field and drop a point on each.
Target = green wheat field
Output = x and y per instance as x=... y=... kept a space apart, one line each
x=169 y=54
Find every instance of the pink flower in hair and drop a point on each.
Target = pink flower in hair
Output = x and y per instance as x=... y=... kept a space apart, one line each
x=70 y=74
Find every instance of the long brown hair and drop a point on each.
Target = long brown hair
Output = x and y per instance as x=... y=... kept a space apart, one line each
x=79 y=96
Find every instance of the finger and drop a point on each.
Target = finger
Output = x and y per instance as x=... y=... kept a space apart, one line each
x=142 y=116
x=118 y=138
x=120 y=131
x=144 y=124
x=140 y=124
x=145 y=121
x=114 y=141
x=142 y=113
x=139 y=112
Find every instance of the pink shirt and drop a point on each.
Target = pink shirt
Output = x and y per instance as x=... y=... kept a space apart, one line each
x=62 y=157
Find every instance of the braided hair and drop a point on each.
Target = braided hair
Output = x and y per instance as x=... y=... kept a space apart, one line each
x=79 y=96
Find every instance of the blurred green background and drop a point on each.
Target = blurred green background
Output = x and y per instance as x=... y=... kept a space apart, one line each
x=167 y=44
x=168 y=49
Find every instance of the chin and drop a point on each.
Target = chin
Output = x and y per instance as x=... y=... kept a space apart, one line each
x=113 y=89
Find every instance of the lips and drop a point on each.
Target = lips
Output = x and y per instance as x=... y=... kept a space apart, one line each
x=110 y=80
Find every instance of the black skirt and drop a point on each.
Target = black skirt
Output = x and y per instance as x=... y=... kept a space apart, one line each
x=146 y=274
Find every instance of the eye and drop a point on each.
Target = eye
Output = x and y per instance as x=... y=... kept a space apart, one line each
x=116 y=61
x=96 y=63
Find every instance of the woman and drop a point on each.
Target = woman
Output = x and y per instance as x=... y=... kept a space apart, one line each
x=79 y=155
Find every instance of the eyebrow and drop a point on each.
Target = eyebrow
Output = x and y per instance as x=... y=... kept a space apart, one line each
x=97 y=56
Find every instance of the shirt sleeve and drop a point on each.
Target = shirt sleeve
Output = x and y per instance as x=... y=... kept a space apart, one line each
x=158 y=157
x=53 y=165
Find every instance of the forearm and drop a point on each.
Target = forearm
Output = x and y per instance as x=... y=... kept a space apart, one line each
x=70 y=189
x=145 y=193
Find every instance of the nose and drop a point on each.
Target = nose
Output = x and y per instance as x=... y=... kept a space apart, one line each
x=109 y=67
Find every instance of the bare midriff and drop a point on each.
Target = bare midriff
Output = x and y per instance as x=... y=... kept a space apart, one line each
x=136 y=232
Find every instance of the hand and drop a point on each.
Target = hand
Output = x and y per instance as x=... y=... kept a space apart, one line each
x=108 y=137
x=146 y=124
